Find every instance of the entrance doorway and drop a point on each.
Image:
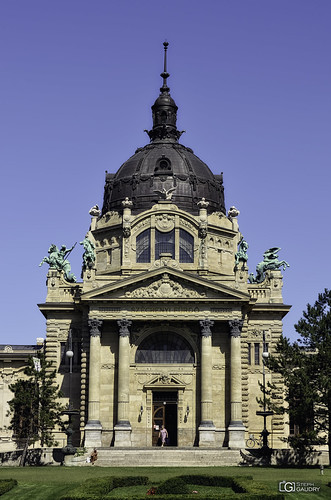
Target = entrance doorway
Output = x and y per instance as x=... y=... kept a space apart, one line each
x=165 y=413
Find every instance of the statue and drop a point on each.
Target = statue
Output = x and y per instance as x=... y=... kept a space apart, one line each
x=57 y=260
x=89 y=253
x=166 y=193
x=270 y=262
x=241 y=255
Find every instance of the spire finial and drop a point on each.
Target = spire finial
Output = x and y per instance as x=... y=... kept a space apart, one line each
x=165 y=74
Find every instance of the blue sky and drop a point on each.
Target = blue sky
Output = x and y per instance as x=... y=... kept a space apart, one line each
x=252 y=81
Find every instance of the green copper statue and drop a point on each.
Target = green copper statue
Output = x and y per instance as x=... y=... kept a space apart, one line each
x=241 y=255
x=89 y=254
x=270 y=262
x=57 y=260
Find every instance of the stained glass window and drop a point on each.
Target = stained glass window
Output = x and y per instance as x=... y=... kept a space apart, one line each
x=164 y=347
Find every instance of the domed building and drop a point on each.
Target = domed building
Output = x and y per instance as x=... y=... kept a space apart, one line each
x=165 y=327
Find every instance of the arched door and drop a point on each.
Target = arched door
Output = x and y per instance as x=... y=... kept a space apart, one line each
x=165 y=413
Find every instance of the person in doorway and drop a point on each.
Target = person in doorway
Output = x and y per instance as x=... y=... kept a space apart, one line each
x=163 y=435
x=94 y=456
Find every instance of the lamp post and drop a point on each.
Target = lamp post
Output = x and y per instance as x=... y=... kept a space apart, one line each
x=69 y=449
x=265 y=413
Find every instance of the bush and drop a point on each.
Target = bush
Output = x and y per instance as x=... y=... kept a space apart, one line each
x=174 y=486
x=7 y=485
x=119 y=482
x=220 y=481
x=94 y=489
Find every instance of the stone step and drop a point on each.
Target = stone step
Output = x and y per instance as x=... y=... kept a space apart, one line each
x=167 y=457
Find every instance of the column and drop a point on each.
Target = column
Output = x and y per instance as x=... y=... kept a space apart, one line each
x=93 y=428
x=236 y=428
x=123 y=427
x=206 y=428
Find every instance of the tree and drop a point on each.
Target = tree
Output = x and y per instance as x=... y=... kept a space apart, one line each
x=35 y=409
x=305 y=367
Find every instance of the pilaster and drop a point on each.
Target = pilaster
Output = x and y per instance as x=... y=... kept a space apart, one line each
x=93 y=427
x=123 y=427
x=206 y=428
x=236 y=428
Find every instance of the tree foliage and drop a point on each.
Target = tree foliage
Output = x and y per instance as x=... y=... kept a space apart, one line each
x=35 y=409
x=305 y=367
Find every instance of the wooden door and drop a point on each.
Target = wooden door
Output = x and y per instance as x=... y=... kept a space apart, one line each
x=158 y=421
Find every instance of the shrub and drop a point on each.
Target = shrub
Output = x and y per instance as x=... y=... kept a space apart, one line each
x=7 y=485
x=205 y=480
x=174 y=486
x=119 y=482
x=94 y=489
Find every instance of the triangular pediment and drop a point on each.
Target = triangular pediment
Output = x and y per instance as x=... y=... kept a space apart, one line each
x=165 y=284
x=164 y=381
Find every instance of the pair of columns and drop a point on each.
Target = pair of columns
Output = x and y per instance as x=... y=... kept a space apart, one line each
x=236 y=429
x=93 y=427
x=123 y=429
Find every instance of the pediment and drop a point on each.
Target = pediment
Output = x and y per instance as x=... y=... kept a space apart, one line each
x=165 y=284
x=164 y=381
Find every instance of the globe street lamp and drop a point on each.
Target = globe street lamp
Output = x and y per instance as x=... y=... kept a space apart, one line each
x=265 y=413
x=69 y=449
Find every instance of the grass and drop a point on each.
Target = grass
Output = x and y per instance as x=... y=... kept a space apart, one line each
x=49 y=483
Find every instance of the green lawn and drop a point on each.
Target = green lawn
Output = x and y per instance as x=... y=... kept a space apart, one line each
x=49 y=483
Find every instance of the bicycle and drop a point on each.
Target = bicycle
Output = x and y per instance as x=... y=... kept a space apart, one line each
x=253 y=442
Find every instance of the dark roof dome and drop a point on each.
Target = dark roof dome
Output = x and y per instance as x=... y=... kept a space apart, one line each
x=164 y=168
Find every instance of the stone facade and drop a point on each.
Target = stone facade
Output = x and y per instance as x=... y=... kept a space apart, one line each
x=208 y=303
x=13 y=359
x=164 y=327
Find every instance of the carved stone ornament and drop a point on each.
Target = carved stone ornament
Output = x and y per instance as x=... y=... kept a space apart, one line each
x=164 y=288
x=95 y=327
x=95 y=211
x=165 y=222
x=236 y=327
x=123 y=325
x=203 y=203
x=8 y=348
x=205 y=325
x=127 y=203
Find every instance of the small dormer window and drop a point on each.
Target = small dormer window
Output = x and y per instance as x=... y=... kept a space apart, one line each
x=163 y=166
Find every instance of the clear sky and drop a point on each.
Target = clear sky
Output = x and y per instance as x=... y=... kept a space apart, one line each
x=252 y=81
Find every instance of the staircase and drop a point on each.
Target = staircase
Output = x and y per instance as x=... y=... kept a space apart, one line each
x=166 y=457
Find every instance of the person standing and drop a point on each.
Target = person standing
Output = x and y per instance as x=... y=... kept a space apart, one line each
x=163 y=435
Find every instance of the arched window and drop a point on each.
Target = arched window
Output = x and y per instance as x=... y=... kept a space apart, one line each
x=143 y=246
x=186 y=246
x=164 y=347
x=164 y=243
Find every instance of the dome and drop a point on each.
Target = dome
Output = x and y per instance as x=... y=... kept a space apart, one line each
x=157 y=168
x=164 y=169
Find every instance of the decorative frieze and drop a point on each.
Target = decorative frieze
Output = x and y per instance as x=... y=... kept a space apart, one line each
x=165 y=287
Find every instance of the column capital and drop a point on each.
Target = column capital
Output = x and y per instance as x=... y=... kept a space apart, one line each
x=236 y=327
x=205 y=325
x=123 y=325
x=95 y=327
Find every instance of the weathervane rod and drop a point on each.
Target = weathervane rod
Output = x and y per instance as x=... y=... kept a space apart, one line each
x=165 y=74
